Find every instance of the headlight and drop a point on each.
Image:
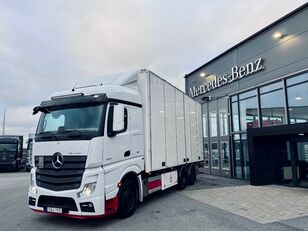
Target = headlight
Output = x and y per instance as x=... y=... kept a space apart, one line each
x=32 y=187
x=88 y=189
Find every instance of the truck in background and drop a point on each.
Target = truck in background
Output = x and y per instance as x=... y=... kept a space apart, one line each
x=101 y=147
x=11 y=148
x=28 y=164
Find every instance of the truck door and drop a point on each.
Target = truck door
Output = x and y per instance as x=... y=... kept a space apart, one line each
x=117 y=134
x=135 y=121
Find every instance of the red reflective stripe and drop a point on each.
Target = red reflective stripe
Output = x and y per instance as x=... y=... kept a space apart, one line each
x=154 y=184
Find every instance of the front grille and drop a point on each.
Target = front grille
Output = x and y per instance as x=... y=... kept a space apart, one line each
x=7 y=157
x=67 y=177
x=66 y=203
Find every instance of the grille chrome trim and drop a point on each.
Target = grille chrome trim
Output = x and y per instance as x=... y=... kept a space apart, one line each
x=67 y=177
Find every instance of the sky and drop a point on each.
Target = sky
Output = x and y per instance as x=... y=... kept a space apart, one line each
x=47 y=46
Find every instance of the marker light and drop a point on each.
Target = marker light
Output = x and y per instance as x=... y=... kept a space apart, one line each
x=202 y=74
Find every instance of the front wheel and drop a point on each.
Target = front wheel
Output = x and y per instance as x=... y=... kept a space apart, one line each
x=128 y=198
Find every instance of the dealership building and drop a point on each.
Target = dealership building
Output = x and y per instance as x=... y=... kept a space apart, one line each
x=254 y=100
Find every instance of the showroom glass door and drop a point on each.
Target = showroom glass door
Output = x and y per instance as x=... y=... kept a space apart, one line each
x=302 y=163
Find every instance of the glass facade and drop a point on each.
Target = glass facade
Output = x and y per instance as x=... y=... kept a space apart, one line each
x=237 y=150
x=226 y=147
x=235 y=117
x=297 y=91
x=225 y=155
x=272 y=105
x=248 y=110
x=215 y=155
x=223 y=116
x=205 y=136
x=246 y=172
x=213 y=118
x=206 y=154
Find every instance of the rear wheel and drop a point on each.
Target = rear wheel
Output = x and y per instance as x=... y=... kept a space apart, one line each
x=182 y=182
x=192 y=175
x=128 y=198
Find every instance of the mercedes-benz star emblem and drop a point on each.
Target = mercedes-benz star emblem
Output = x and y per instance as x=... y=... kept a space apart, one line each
x=57 y=160
x=4 y=156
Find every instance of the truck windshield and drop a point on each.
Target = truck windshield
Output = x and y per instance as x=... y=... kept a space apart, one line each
x=62 y=123
x=8 y=147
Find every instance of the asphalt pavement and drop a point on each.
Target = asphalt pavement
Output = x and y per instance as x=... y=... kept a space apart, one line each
x=169 y=210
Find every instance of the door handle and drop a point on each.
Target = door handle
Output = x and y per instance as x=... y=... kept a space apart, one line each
x=127 y=153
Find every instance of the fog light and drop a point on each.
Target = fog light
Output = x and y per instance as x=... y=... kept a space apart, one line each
x=32 y=201
x=87 y=207
x=88 y=189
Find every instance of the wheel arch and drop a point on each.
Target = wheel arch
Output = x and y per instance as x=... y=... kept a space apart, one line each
x=133 y=173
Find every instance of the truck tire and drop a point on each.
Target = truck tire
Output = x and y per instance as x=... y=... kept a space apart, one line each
x=128 y=198
x=192 y=175
x=183 y=178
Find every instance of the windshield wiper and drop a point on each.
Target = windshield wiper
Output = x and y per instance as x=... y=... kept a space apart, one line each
x=75 y=133
x=47 y=135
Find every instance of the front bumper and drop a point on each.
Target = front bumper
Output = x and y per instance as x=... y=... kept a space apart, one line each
x=71 y=215
x=72 y=202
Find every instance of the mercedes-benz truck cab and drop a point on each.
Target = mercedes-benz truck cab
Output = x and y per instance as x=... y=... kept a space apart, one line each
x=101 y=148
x=11 y=148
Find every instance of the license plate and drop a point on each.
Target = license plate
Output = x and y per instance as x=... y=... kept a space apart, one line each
x=54 y=210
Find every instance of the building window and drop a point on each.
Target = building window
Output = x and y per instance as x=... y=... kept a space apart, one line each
x=206 y=154
x=248 y=110
x=215 y=155
x=223 y=116
x=213 y=123
x=204 y=120
x=298 y=99
x=246 y=171
x=235 y=117
x=272 y=105
x=213 y=118
x=237 y=156
x=241 y=156
x=225 y=155
x=234 y=98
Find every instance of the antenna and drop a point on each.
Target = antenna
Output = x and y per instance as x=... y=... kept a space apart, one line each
x=75 y=86
x=3 y=128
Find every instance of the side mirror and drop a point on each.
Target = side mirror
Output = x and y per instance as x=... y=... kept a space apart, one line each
x=117 y=120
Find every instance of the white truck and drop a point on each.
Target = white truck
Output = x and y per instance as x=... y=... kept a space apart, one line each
x=101 y=148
